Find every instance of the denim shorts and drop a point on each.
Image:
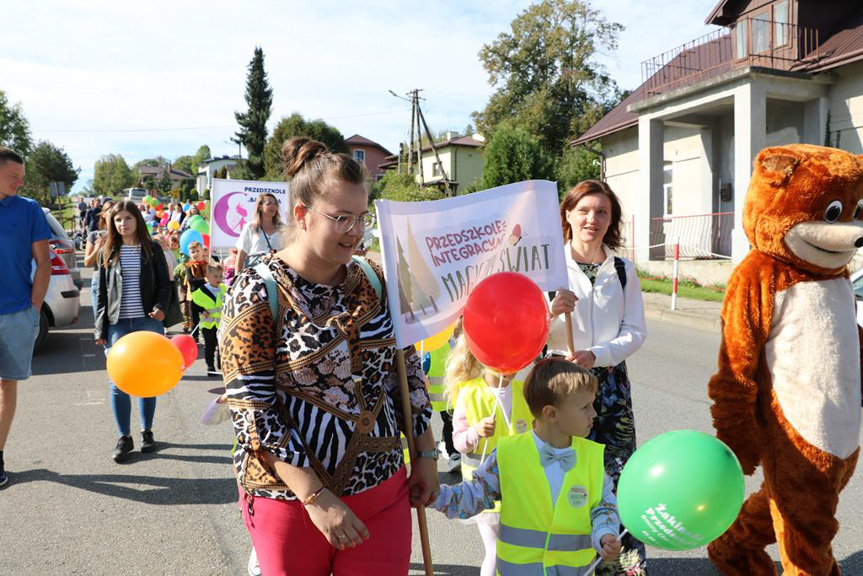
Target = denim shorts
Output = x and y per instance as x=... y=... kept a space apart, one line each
x=18 y=333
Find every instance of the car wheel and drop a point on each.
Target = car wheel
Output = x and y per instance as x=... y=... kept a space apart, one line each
x=43 y=330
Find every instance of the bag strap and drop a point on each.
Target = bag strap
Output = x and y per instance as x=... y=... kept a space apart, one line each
x=370 y=274
x=620 y=267
x=272 y=295
x=264 y=272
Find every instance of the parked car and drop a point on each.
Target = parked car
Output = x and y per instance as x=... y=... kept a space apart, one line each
x=62 y=301
x=64 y=247
x=134 y=194
x=857 y=283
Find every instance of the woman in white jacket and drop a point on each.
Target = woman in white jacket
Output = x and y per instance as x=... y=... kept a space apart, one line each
x=608 y=326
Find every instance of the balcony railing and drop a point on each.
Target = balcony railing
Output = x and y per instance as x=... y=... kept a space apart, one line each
x=750 y=42
x=702 y=236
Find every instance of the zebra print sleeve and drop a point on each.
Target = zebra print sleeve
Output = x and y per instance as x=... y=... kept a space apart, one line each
x=247 y=340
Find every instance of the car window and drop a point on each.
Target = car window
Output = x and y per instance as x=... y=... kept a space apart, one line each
x=858 y=287
x=56 y=229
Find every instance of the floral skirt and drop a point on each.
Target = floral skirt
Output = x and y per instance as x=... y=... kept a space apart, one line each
x=614 y=427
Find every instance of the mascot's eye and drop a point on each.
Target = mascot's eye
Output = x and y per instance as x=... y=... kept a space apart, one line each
x=858 y=210
x=833 y=212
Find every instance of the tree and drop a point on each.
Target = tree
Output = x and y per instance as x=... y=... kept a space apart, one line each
x=14 y=127
x=575 y=164
x=546 y=73
x=47 y=163
x=111 y=175
x=293 y=126
x=253 y=122
x=514 y=155
x=403 y=188
x=190 y=163
x=164 y=184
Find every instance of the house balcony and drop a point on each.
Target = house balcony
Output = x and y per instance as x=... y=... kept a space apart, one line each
x=751 y=42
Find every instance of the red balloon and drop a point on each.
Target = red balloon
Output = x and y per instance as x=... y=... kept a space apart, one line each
x=506 y=322
x=206 y=240
x=187 y=347
x=202 y=205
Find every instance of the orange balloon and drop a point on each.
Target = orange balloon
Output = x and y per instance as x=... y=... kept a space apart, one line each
x=144 y=364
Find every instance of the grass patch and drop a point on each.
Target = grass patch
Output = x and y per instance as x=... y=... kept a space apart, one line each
x=686 y=288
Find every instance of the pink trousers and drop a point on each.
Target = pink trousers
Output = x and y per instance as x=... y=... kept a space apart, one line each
x=288 y=543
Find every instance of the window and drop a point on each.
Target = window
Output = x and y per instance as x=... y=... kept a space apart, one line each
x=436 y=171
x=360 y=156
x=780 y=23
x=667 y=178
x=761 y=33
x=742 y=39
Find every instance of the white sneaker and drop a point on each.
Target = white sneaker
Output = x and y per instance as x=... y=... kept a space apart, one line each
x=254 y=567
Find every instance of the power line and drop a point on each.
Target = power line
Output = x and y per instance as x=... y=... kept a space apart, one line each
x=120 y=130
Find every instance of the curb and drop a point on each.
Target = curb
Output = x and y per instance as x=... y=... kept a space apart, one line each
x=684 y=318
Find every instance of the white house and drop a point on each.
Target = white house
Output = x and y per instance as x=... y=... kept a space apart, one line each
x=207 y=169
x=678 y=151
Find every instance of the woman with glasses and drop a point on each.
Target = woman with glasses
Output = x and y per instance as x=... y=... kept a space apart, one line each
x=313 y=392
x=263 y=235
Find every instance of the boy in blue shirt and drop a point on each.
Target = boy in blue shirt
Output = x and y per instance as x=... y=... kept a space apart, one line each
x=24 y=235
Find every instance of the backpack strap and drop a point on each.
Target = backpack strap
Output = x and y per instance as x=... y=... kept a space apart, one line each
x=620 y=266
x=272 y=294
x=264 y=272
x=370 y=274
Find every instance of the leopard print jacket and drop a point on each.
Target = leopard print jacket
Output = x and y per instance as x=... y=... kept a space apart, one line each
x=301 y=388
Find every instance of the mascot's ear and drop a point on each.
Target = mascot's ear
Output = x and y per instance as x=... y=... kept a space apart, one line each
x=777 y=164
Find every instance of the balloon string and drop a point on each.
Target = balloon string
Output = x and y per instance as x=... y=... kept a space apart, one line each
x=485 y=445
x=592 y=568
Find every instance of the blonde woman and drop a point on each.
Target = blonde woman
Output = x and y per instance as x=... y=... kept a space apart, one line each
x=487 y=406
x=95 y=243
x=263 y=235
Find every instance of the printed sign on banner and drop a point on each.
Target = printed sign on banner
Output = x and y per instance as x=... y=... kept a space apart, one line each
x=233 y=207
x=435 y=252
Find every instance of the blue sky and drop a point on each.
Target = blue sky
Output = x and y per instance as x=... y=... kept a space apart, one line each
x=148 y=78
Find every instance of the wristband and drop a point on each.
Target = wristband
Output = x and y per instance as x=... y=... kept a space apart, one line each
x=314 y=496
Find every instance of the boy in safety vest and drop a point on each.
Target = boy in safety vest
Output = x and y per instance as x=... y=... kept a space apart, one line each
x=558 y=509
x=210 y=298
x=435 y=370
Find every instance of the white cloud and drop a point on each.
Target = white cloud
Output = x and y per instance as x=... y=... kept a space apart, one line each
x=109 y=66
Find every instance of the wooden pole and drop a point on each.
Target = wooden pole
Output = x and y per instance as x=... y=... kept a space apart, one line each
x=570 y=344
x=412 y=450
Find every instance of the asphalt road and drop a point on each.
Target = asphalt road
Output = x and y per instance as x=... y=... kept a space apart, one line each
x=71 y=510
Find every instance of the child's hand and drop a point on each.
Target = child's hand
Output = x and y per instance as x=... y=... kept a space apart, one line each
x=610 y=547
x=485 y=427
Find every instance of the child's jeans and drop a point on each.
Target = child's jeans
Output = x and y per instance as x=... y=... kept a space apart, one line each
x=121 y=404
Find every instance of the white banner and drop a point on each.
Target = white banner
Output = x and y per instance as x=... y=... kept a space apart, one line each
x=233 y=206
x=435 y=252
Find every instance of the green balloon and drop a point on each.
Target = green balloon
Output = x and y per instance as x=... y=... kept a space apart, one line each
x=681 y=490
x=200 y=226
x=196 y=218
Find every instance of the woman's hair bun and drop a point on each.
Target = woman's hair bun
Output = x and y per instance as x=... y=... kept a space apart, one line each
x=298 y=152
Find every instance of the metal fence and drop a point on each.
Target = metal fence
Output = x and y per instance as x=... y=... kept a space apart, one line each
x=701 y=236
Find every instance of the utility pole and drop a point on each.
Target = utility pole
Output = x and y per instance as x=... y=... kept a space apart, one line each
x=418 y=124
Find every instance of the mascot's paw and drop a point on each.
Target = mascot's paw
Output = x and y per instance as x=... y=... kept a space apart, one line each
x=744 y=451
x=733 y=560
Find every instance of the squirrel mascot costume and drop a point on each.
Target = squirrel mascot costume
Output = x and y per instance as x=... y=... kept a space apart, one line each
x=788 y=391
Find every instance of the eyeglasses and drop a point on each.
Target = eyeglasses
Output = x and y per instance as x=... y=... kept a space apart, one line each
x=346 y=222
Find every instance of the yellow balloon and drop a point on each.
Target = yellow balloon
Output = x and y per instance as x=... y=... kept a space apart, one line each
x=432 y=343
x=173 y=225
x=144 y=364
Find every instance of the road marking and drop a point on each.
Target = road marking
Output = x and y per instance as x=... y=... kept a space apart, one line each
x=89 y=355
x=90 y=401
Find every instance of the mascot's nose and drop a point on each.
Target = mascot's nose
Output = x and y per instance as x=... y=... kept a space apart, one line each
x=859 y=242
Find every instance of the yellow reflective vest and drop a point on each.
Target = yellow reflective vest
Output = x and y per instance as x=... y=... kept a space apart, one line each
x=479 y=401
x=212 y=308
x=436 y=377
x=536 y=539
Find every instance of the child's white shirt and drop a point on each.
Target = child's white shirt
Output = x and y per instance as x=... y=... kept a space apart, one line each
x=554 y=472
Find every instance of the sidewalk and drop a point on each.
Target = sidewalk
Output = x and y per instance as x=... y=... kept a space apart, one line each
x=693 y=313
